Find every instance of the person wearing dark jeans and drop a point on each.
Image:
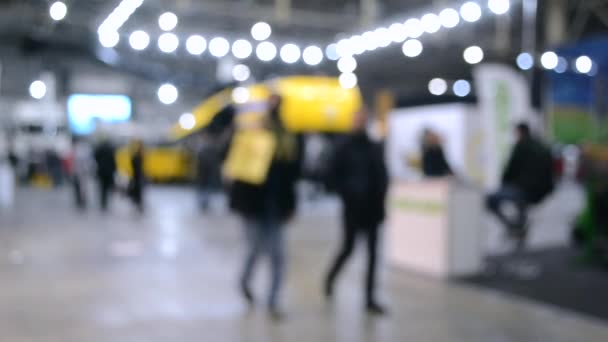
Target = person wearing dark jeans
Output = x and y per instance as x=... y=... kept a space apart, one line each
x=350 y=232
x=136 y=185
x=264 y=236
x=79 y=195
x=527 y=180
x=516 y=225
x=105 y=188
x=266 y=208
x=106 y=167
x=357 y=172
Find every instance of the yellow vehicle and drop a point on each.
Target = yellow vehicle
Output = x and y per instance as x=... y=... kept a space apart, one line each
x=161 y=163
x=310 y=104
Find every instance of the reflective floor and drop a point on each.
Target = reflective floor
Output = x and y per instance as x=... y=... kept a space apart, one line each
x=170 y=276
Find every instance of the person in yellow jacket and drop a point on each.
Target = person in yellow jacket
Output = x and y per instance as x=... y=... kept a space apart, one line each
x=267 y=207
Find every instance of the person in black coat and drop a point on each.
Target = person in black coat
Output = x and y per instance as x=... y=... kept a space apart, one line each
x=527 y=179
x=106 y=167
x=358 y=174
x=434 y=163
x=136 y=185
x=267 y=207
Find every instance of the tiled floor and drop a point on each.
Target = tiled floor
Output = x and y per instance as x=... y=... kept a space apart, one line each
x=170 y=276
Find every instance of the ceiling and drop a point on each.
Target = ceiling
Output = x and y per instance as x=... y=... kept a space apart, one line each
x=26 y=27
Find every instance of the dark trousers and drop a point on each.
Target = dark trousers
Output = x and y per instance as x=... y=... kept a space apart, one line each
x=136 y=193
x=79 y=193
x=515 y=196
x=265 y=236
x=351 y=229
x=105 y=188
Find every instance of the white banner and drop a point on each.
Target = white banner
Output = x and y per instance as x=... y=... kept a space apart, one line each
x=504 y=100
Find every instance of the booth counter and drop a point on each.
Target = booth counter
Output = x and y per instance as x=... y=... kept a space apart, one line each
x=434 y=227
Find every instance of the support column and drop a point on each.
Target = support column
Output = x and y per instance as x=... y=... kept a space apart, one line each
x=528 y=32
x=369 y=12
x=556 y=22
x=282 y=10
x=503 y=34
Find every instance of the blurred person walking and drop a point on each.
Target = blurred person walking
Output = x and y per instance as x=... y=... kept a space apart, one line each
x=358 y=174
x=267 y=207
x=208 y=161
x=7 y=180
x=527 y=180
x=106 y=168
x=135 y=189
x=79 y=166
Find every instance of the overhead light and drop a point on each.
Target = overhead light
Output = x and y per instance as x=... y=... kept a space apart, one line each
x=167 y=21
x=470 y=11
x=117 y=18
x=312 y=55
x=413 y=28
x=584 y=64
x=290 y=53
x=168 y=42
x=430 y=23
x=412 y=48
x=461 y=88
x=241 y=49
x=261 y=31
x=562 y=65
x=219 y=47
x=398 y=32
x=37 y=89
x=58 y=11
x=383 y=36
x=499 y=7
x=240 y=95
x=549 y=60
x=370 y=40
x=343 y=48
x=196 y=45
x=109 y=39
x=266 y=51
x=331 y=52
x=167 y=93
x=139 y=40
x=347 y=64
x=358 y=44
x=449 y=18
x=525 y=61
x=438 y=86
x=473 y=54
x=348 y=80
x=241 y=73
x=187 y=121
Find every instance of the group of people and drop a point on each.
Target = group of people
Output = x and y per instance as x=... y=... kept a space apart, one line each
x=357 y=173
x=102 y=159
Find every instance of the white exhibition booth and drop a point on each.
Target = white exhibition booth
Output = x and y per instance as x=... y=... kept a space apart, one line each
x=439 y=227
x=434 y=225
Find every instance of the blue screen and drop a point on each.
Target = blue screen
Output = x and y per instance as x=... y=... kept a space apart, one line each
x=84 y=110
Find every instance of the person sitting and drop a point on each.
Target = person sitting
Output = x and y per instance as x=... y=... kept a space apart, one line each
x=527 y=180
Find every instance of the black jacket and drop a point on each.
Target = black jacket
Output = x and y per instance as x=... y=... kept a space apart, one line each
x=530 y=168
x=434 y=163
x=106 y=164
x=275 y=199
x=358 y=174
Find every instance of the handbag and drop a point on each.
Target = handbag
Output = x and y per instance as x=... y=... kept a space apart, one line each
x=250 y=156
